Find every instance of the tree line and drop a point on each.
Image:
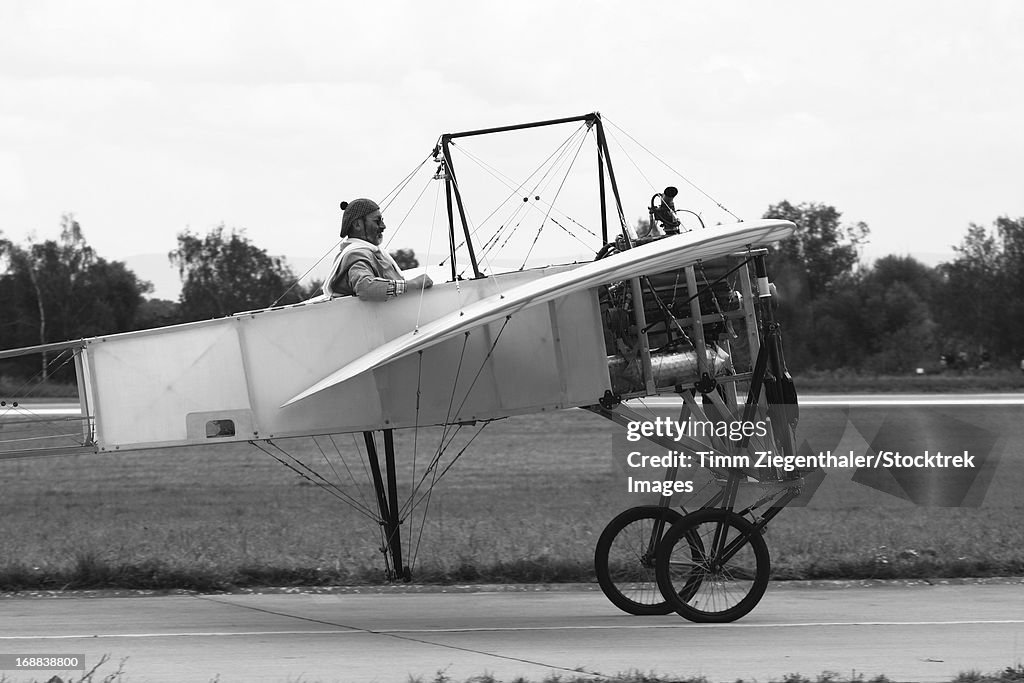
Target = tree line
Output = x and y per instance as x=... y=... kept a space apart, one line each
x=897 y=314
x=892 y=316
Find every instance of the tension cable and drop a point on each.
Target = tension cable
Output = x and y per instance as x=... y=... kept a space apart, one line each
x=666 y=165
x=317 y=479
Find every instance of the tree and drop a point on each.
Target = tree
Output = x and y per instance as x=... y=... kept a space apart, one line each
x=898 y=331
x=972 y=290
x=226 y=273
x=805 y=266
x=1011 y=234
x=405 y=258
x=821 y=248
x=878 y=319
x=60 y=289
x=892 y=269
x=157 y=313
x=981 y=307
x=45 y=275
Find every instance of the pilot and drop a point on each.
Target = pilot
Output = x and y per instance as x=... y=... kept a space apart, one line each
x=361 y=267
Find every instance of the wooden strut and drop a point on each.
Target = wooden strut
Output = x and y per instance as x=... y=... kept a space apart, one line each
x=387 y=502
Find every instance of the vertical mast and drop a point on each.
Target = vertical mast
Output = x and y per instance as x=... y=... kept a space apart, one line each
x=602 y=146
x=454 y=184
x=451 y=221
x=602 y=200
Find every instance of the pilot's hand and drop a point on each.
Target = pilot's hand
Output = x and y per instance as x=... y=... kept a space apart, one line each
x=421 y=282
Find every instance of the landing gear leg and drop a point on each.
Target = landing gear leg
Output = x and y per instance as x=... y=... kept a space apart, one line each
x=387 y=503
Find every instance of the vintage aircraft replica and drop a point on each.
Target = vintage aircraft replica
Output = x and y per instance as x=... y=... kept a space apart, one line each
x=677 y=311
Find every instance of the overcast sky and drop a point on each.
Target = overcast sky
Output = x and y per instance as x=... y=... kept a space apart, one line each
x=147 y=118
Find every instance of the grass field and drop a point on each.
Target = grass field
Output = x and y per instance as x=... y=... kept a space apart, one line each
x=842 y=381
x=526 y=502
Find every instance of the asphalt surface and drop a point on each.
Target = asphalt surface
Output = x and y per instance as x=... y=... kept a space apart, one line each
x=907 y=631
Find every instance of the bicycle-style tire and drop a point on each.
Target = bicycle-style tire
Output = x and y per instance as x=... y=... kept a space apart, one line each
x=625 y=570
x=698 y=586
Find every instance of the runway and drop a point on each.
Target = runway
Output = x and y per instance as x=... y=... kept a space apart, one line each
x=907 y=631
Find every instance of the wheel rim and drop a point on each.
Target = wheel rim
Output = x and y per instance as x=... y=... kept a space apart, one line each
x=700 y=581
x=625 y=560
x=631 y=565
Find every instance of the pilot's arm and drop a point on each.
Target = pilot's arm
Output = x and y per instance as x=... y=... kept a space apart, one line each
x=367 y=285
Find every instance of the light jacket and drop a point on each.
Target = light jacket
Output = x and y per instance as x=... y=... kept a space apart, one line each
x=365 y=270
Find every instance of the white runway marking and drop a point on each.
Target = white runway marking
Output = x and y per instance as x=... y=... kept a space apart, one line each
x=979 y=400
x=68 y=409
x=879 y=400
x=512 y=629
x=29 y=410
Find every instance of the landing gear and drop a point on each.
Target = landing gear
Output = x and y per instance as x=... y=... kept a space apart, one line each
x=624 y=559
x=713 y=566
x=387 y=504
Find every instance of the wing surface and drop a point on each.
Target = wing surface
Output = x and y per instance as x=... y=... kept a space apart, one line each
x=669 y=253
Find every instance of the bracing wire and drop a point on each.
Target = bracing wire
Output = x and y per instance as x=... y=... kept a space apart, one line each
x=314 y=477
x=325 y=483
x=458 y=372
x=416 y=435
x=628 y=156
x=397 y=189
x=401 y=223
x=439 y=474
x=440 y=450
x=552 y=161
x=516 y=191
x=430 y=246
x=666 y=165
x=444 y=445
x=508 y=182
x=497 y=282
x=344 y=462
x=558 y=192
x=302 y=277
x=326 y=459
x=363 y=460
x=557 y=161
x=419 y=538
x=30 y=385
x=36 y=422
x=547 y=217
x=445 y=441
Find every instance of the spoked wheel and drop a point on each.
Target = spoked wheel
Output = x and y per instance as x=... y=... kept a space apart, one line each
x=624 y=559
x=713 y=566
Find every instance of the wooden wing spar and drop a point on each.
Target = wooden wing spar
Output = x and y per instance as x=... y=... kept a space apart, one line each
x=670 y=253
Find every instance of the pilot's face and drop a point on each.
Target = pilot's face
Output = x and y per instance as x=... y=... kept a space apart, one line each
x=373 y=227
